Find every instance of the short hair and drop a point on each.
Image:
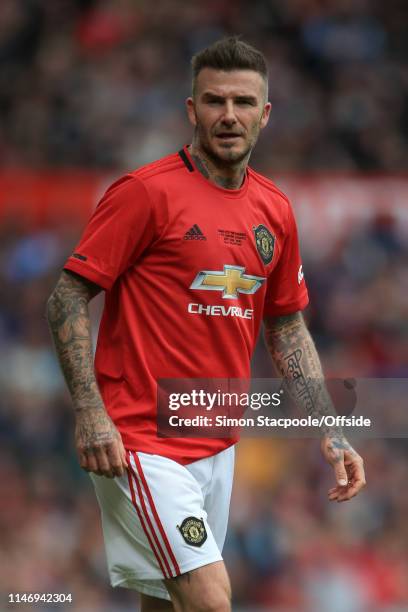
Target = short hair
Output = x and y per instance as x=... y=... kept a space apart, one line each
x=229 y=54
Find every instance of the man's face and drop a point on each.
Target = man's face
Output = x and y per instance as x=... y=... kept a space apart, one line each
x=228 y=111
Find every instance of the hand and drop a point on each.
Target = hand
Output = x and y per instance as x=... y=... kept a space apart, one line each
x=99 y=445
x=348 y=467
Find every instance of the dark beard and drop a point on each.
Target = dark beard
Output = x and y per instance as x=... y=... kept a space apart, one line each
x=220 y=162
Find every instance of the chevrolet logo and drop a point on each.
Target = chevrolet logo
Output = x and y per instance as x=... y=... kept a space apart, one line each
x=230 y=281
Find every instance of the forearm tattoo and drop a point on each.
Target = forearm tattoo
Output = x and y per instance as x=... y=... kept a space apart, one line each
x=295 y=356
x=68 y=318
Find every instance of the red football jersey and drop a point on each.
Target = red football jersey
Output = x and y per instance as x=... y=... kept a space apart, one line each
x=189 y=270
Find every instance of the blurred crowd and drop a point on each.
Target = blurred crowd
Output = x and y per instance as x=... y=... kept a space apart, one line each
x=102 y=82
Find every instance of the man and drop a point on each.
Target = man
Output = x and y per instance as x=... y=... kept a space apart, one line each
x=170 y=243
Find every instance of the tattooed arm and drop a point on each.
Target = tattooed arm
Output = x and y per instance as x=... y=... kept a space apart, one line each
x=98 y=442
x=295 y=357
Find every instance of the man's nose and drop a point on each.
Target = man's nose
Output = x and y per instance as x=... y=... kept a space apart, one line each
x=229 y=117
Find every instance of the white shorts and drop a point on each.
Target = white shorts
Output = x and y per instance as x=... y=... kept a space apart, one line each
x=163 y=519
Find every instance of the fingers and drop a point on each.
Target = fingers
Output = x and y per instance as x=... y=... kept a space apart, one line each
x=341 y=473
x=336 y=493
x=107 y=460
x=93 y=463
x=88 y=462
x=115 y=459
x=123 y=455
x=103 y=463
x=83 y=461
x=356 y=481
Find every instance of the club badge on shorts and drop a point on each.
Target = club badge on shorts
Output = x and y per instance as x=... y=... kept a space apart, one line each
x=193 y=531
x=265 y=243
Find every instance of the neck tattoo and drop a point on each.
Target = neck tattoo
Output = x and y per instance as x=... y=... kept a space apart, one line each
x=212 y=174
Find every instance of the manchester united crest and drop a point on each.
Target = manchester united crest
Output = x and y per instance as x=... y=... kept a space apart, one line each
x=193 y=531
x=265 y=243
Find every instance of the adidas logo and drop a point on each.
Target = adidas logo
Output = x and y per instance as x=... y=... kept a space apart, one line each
x=194 y=233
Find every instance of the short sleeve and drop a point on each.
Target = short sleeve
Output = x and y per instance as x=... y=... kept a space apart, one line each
x=286 y=288
x=119 y=231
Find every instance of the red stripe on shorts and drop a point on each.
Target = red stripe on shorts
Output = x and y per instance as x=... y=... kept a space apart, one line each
x=132 y=492
x=155 y=514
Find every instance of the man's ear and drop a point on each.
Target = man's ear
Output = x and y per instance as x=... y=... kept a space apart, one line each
x=265 y=115
x=191 y=111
